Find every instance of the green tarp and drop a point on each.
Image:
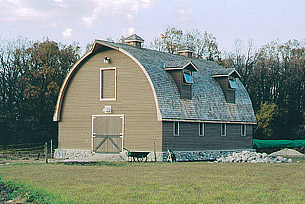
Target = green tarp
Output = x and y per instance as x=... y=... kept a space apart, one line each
x=266 y=144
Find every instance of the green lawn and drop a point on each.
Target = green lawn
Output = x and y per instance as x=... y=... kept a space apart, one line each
x=197 y=182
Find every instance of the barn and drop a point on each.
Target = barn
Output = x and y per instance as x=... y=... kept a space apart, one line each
x=120 y=97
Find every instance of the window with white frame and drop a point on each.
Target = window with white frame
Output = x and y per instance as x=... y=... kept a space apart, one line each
x=223 y=129
x=201 y=129
x=176 y=128
x=107 y=84
x=243 y=129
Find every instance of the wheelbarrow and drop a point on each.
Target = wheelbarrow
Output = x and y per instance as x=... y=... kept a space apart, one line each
x=137 y=156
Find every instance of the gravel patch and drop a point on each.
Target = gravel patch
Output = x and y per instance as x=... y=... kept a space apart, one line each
x=288 y=153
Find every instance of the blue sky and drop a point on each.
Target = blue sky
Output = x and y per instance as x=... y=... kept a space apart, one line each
x=85 y=20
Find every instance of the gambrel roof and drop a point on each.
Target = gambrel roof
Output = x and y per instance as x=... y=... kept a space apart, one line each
x=208 y=102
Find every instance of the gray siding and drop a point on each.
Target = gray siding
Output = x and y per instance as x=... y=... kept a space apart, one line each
x=189 y=139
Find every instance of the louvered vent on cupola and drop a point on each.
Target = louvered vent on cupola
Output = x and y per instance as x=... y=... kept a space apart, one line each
x=182 y=73
x=134 y=40
x=186 y=52
x=227 y=81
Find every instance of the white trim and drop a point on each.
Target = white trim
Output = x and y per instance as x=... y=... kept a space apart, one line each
x=184 y=66
x=191 y=64
x=173 y=68
x=57 y=113
x=174 y=128
x=115 y=84
x=159 y=116
x=123 y=128
x=243 y=134
x=208 y=121
x=215 y=76
x=201 y=129
x=225 y=133
x=186 y=50
x=226 y=75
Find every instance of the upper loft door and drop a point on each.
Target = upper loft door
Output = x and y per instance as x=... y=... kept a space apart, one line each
x=107 y=133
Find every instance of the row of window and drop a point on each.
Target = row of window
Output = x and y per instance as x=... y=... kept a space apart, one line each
x=201 y=129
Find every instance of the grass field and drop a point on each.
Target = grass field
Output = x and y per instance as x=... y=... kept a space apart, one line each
x=197 y=182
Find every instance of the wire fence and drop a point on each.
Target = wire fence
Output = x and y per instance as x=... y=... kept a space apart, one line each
x=26 y=151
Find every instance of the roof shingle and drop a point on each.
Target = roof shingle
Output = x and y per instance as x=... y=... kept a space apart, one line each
x=208 y=102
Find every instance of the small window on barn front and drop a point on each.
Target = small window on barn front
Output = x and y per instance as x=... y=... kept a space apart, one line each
x=223 y=129
x=201 y=129
x=107 y=84
x=243 y=129
x=176 y=128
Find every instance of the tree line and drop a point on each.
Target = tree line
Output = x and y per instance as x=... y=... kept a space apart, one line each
x=274 y=76
x=31 y=74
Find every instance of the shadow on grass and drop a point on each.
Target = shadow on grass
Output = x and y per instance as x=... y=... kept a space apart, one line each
x=95 y=163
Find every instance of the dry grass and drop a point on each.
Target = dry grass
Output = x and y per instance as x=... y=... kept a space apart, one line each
x=164 y=182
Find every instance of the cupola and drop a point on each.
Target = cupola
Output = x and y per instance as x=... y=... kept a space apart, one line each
x=134 y=40
x=186 y=52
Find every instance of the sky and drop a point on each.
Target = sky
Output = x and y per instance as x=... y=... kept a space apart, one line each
x=82 y=21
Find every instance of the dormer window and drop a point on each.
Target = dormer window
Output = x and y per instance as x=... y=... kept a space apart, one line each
x=232 y=84
x=187 y=77
x=227 y=81
x=182 y=72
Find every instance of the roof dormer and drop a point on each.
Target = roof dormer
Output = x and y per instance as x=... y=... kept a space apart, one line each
x=182 y=73
x=227 y=81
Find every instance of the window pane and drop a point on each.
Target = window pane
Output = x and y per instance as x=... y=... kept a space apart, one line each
x=201 y=129
x=176 y=128
x=232 y=84
x=223 y=129
x=188 y=78
x=243 y=130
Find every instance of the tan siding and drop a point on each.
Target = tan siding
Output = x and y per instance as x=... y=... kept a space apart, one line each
x=134 y=100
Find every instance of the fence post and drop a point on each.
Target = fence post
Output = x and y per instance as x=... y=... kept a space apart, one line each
x=51 y=149
x=46 y=151
x=155 y=152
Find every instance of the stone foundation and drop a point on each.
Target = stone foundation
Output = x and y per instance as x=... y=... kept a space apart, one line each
x=72 y=154
x=181 y=156
x=205 y=155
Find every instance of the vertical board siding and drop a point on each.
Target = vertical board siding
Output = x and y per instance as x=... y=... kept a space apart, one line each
x=134 y=100
x=189 y=139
